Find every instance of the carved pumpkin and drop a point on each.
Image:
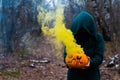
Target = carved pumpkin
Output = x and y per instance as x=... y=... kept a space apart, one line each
x=77 y=60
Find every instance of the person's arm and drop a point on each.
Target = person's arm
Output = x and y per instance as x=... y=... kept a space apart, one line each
x=97 y=59
x=64 y=54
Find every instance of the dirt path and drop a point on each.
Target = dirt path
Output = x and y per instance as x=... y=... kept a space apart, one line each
x=45 y=63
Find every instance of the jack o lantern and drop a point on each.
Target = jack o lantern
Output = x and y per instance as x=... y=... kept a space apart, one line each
x=77 y=60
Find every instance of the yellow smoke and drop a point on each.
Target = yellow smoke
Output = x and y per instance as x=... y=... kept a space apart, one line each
x=60 y=33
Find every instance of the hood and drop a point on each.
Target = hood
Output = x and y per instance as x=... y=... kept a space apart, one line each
x=86 y=21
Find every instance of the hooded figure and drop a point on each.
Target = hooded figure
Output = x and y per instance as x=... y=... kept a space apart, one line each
x=85 y=33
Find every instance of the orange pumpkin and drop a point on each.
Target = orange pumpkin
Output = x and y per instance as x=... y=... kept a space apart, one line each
x=77 y=60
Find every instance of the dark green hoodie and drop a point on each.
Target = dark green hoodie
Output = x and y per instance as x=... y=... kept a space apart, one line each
x=93 y=45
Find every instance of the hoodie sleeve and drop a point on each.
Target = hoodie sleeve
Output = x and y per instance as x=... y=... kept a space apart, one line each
x=97 y=59
x=64 y=54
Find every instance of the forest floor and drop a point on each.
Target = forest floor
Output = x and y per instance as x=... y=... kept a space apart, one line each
x=45 y=63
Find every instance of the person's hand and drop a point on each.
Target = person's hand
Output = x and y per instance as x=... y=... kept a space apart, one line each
x=86 y=66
